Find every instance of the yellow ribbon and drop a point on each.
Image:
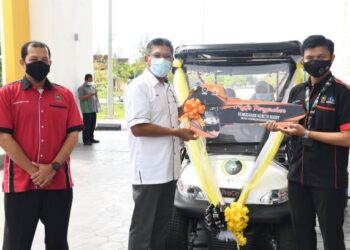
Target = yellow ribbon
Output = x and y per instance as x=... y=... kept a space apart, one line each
x=267 y=154
x=196 y=148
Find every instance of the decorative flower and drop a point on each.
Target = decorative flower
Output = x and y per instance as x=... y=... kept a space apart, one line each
x=192 y=111
x=236 y=216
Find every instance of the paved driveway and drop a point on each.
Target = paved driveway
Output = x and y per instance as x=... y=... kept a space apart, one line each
x=102 y=203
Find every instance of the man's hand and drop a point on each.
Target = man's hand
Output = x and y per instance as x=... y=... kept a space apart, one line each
x=292 y=128
x=271 y=126
x=44 y=175
x=11 y=147
x=32 y=169
x=186 y=134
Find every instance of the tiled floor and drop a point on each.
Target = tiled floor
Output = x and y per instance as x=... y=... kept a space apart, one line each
x=346 y=229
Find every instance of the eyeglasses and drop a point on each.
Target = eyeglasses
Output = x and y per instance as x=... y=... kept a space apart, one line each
x=168 y=57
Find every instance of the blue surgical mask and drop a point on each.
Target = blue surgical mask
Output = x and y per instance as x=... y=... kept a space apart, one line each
x=160 y=67
x=264 y=96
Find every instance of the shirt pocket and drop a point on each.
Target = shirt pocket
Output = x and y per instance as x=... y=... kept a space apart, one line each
x=159 y=106
x=326 y=118
x=58 y=106
x=325 y=108
x=59 y=112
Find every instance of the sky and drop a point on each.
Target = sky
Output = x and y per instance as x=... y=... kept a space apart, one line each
x=211 y=21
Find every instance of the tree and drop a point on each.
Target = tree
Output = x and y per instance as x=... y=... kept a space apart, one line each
x=139 y=65
x=123 y=72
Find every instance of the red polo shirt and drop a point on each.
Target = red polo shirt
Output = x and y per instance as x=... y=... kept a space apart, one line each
x=39 y=122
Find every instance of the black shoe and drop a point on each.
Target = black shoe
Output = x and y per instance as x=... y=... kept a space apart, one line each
x=95 y=141
x=87 y=143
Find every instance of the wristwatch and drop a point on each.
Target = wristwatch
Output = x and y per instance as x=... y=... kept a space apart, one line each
x=55 y=165
x=307 y=134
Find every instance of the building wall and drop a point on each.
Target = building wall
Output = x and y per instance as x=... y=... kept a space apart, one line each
x=66 y=27
x=341 y=65
x=346 y=42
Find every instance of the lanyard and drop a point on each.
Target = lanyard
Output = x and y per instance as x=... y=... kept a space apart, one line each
x=311 y=111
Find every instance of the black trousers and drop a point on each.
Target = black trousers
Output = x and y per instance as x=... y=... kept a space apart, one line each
x=23 y=211
x=89 y=126
x=151 y=216
x=328 y=204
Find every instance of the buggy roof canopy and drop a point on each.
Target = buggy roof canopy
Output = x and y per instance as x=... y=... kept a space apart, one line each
x=245 y=50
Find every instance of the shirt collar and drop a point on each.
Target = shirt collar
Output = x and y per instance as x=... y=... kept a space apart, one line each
x=322 y=82
x=26 y=84
x=151 y=79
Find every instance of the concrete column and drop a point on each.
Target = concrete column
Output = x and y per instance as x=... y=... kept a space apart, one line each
x=15 y=32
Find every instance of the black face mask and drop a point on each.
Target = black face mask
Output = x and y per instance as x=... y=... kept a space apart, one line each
x=38 y=70
x=317 y=68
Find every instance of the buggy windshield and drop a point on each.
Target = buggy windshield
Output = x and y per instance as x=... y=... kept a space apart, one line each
x=264 y=81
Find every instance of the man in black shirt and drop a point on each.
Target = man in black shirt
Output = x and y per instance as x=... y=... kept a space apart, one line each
x=319 y=149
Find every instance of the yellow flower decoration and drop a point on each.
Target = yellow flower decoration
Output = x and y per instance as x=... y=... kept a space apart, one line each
x=236 y=216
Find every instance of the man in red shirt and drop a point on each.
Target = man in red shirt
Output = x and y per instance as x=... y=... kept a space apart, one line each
x=39 y=126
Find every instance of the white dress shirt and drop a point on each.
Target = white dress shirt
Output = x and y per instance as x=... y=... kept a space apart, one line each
x=154 y=160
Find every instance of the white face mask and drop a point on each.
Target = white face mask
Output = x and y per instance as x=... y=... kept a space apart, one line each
x=160 y=67
x=90 y=83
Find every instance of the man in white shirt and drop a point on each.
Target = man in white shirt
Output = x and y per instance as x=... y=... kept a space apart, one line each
x=154 y=138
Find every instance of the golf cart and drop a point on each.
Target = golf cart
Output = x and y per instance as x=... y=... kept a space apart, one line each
x=237 y=69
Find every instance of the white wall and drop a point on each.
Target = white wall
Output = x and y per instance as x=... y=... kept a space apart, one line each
x=55 y=22
x=341 y=66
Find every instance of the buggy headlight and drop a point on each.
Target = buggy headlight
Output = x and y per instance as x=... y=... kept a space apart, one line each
x=190 y=191
x=275 y=197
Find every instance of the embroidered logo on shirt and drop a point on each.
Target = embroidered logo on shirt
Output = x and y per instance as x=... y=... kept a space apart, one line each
x=330 y=100
x=323 y=99
x=58 y=97
x=20 y=102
